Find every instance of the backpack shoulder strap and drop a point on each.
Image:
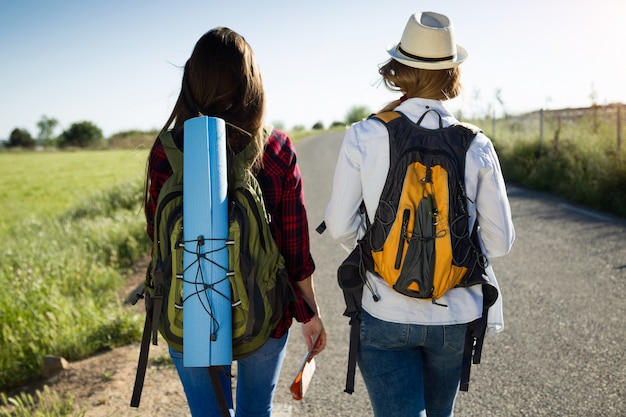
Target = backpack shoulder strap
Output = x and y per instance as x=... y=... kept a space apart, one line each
x=174 y=155
x=469 y=132
x=142 y=364
x=475 y=129
x=387 y=116
x=241 y=165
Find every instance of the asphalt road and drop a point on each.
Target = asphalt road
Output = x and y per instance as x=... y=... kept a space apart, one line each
x=562 y=352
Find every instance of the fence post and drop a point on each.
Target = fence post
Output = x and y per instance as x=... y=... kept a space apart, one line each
x=540 y=131
x=619 y=127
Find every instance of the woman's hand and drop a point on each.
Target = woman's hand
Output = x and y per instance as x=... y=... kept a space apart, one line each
x=310 y=331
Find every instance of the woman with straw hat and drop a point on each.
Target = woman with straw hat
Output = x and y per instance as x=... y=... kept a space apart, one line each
x=410 y=350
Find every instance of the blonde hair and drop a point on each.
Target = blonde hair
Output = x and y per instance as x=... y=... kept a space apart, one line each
x=444 y=84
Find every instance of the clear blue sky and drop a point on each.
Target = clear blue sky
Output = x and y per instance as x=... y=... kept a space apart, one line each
x=117 y=63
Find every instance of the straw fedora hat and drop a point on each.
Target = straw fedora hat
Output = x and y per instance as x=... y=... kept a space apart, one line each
x=428 y=43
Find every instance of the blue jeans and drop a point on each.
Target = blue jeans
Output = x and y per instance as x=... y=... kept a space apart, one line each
x=411 y=370
x=257 y=376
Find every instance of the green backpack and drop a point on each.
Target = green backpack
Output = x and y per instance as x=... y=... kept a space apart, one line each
x=260 y=288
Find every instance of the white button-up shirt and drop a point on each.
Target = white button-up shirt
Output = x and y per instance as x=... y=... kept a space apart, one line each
x=360 y=175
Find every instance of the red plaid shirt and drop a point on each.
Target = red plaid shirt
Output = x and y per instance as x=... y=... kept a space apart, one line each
x=281 y=183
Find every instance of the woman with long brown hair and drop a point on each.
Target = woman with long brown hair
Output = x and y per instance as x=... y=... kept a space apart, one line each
x=221 y=79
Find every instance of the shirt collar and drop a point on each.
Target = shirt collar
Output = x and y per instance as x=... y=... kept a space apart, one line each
x=418 y=105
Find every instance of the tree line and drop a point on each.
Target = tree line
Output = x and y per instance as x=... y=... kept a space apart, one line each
x=80 y=134
x=86 y=134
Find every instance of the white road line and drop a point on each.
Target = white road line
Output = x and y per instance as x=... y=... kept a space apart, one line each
x=584 y=212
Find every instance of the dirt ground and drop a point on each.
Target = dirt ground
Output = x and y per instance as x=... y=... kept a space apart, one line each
x=102 y=385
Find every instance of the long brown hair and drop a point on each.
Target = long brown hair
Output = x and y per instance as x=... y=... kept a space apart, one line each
x=444 y=84
x=222 y=79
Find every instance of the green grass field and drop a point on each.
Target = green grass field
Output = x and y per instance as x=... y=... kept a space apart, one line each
x=36 y=184
x=71 y=224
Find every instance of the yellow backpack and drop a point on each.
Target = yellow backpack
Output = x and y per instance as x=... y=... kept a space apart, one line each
x=419 y=241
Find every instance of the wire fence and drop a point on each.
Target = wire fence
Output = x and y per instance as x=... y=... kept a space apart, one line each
x=596 y=125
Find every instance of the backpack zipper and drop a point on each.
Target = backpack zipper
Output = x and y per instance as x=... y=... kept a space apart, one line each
x=253 y=206
x=157 y=216
x=405 y=226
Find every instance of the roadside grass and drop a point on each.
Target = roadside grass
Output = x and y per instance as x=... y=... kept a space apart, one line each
x=65 y=254
x=576 y=159
x=61 y=278
x=43 y=404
